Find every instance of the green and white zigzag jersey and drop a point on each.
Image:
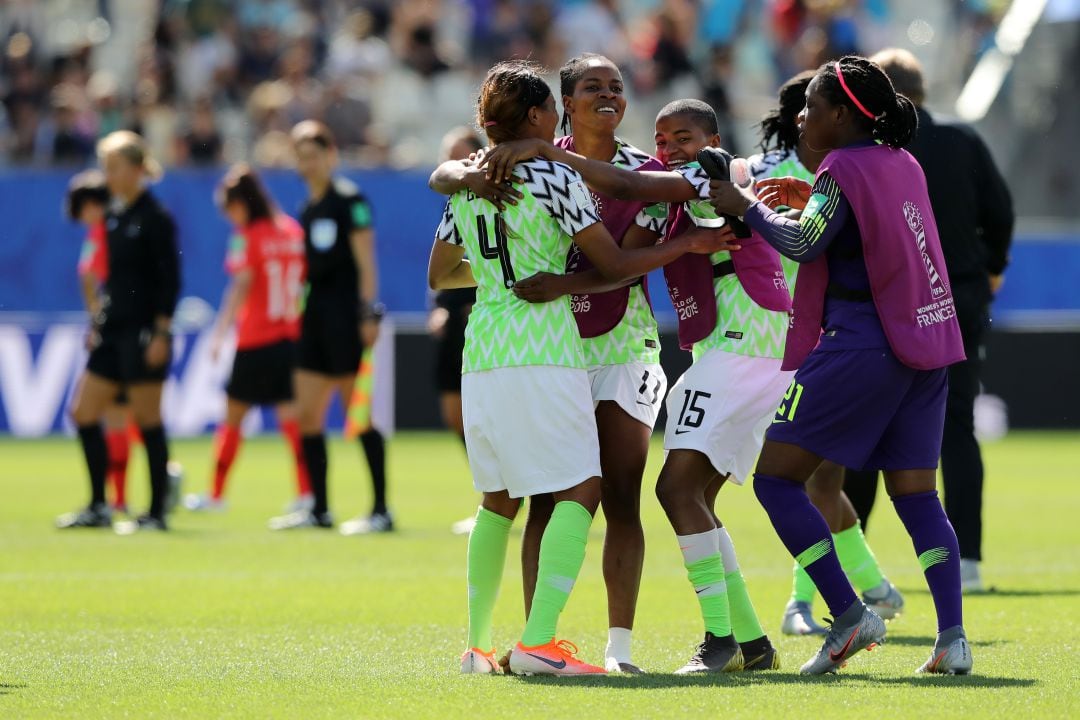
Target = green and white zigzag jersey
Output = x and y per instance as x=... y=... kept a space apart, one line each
x=742 y=326
x=530 y=237
x=636 y=338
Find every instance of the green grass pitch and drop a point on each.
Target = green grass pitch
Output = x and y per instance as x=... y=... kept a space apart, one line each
x=221 y=618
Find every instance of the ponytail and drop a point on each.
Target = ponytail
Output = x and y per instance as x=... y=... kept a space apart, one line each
x=874 y=103
x=896 y=127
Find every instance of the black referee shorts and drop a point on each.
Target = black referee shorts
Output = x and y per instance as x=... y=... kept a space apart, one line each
x=263 y=375
x=121 y=357
x=330 y=342
x=448 y=352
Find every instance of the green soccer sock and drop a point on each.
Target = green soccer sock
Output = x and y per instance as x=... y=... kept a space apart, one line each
x=562 y=552
x=744 y=620
x=857 y=558
x=802 y=587
x=486 y=558
x=705 y=569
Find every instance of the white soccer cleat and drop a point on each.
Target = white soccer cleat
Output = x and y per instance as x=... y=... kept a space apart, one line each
x=885 y=600
x=203 y=503
x=799 y=620
x=477 y=662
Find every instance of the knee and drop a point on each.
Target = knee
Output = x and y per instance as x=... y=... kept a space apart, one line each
x=622 y=504
x=669 y=492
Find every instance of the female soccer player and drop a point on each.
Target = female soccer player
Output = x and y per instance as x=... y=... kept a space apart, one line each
x=785 y=154
x=528 y=425
x=87 y=204
x=132 y=342
x=874 y=298
x=721 y=405
x=266 y=261
x=341 y=318
x=622 y=347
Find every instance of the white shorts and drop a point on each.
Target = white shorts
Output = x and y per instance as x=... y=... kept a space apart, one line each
x=637 y=387
x=721 y=407
x=529 y=430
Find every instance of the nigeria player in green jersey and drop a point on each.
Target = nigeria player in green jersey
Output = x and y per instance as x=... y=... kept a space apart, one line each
x=786 y=154
x=719 y=409
x=621 y=341
x=527 y=411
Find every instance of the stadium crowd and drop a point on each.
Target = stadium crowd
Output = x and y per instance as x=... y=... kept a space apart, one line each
x=212 y=81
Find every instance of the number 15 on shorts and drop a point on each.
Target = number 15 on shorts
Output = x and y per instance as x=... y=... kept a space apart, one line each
x=789 y=404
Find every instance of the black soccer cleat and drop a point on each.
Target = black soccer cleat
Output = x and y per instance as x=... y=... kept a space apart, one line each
x=144 y=523
x=97 y=515
x=714 y=655
x=760 y=655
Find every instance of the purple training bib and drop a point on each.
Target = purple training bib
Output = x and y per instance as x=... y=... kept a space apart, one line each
x=886 y=189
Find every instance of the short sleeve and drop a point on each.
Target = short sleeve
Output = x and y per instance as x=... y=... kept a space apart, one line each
x=696 y=176
x=359 y=213
x=569 y=201
x=653 y=218
x=238 y=257
x=447 y=230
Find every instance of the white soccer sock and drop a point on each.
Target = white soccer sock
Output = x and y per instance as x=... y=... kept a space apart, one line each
x=699 y=546
x=727 y=552
x=618 y=644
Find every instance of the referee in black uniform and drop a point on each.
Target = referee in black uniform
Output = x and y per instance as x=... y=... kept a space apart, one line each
x=974 y=214
x=341 y=318
x=131 y=341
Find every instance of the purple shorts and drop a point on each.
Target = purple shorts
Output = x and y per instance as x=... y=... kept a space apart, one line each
x=864 y=409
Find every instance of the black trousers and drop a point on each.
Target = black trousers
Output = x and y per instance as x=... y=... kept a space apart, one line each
x=961 y=459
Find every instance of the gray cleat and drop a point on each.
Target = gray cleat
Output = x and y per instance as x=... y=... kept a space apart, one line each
x=846 y=637
x=799 y=620
x=951 y=654
x=885 y=600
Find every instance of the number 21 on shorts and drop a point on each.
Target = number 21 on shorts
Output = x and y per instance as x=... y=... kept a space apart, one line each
x=790 y=403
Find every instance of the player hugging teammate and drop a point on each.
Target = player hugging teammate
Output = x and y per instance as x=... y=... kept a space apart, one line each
x=529 y=423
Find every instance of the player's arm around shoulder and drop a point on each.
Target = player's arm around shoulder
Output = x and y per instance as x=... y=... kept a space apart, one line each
x=447 y=267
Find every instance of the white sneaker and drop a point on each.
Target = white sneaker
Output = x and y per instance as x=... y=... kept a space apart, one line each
x=970 y=577
x=302 y=503
x=374 y=523
x=885 y=600
x=799 y=620
x=203 y=503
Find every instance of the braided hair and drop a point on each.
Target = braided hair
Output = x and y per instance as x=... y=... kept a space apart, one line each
x=509 y=91
x=569 y=75
x=894 y=120
x=779 y=127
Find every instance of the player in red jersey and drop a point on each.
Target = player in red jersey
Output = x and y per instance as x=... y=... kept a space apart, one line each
x=86 y=203
x=266 y=262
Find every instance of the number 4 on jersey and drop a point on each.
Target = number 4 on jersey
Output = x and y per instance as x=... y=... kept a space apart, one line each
x=497 y=251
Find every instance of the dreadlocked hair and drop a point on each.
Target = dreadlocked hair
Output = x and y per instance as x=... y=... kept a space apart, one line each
x=895 y=120
x=509 y=90
x=569 y=75
x=779 y=128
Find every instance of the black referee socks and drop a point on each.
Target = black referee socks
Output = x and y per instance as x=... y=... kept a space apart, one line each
x=157 y=458
x=375 y=451
x=92 y=438
x=314 y=447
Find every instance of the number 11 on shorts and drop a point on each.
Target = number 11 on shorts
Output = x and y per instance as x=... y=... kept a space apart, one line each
x=790 y=403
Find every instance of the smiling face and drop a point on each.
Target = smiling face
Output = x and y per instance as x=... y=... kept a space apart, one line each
x=678 y=140
x=598 y=103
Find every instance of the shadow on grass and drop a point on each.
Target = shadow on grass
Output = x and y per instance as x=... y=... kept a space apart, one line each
x=927 y=641
x=731 y=680
x=1005 y=592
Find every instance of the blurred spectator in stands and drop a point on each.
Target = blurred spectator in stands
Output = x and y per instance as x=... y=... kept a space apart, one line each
x=355 y=52
x=593 y=26
x=69 y=143
x=201 y=144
